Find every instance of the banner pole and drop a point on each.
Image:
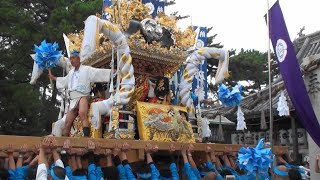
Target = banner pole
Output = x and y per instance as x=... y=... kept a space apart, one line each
x=270 y=80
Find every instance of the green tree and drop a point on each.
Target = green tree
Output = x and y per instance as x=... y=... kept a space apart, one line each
x=27 y=109
x=250 y=66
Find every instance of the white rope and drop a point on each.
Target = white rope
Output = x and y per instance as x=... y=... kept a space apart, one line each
x=198 y=85
x=117 y=99
x=111 y=89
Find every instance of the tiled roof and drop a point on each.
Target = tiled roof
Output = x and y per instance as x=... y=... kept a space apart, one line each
x=308 y=53
x=255 y=103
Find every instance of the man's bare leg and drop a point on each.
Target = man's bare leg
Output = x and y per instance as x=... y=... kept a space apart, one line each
x=83 y=114
x=71 y=116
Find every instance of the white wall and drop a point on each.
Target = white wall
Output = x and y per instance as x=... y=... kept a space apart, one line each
x=313 y=147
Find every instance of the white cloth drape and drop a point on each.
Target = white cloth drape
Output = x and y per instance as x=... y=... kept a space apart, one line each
x=241 y=124
x=263 y=125
x=206 y=132
x=283 y=108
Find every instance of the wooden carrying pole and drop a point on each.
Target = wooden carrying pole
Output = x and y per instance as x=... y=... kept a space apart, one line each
x=138 y=145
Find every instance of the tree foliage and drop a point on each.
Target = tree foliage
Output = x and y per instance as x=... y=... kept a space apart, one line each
x=250 y=66
x=25 y=23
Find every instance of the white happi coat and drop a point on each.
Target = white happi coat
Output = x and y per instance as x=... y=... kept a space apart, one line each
x=81 y=88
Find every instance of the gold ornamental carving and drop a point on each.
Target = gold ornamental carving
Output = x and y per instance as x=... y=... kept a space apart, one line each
x=163 y=123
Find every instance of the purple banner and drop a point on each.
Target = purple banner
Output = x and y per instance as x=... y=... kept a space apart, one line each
x=291 y=74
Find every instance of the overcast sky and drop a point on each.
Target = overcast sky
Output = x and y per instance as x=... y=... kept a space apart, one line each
x=240 y=24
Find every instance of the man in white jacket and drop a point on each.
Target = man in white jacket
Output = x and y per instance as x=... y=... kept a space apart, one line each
x=57 y=172
x=77 y=82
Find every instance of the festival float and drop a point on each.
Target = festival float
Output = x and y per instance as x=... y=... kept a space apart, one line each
x=146 y=101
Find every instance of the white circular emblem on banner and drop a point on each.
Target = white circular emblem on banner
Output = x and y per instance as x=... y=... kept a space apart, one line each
x=159 y=10
x=199 y=44
x=281 y=50
x=151 y=7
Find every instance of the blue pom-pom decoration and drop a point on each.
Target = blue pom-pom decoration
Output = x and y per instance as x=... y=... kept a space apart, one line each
x=255 y=160
x=47 y=55
x=228 y=98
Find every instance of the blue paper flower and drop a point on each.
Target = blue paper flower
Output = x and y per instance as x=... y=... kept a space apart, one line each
x=228 y=98
x=47 y=55
x=255 y=160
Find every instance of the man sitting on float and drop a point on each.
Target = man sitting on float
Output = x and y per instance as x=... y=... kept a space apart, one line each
x=77 y=82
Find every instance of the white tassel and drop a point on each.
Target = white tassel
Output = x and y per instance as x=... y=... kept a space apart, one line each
x=66 y=110
x=58 y=126
x=62 y=106
x=96 y=116
x=241 y=125
x=283 y=108
x=60 y=115
x=199 y=91
x=151 y=90
x=263 y=123
x=206 y=132
x=61 y=110
x=111 y=88
x=220 y=133
x=99 y=108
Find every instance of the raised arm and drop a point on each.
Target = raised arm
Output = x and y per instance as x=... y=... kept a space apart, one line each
x=74 y=165
x=209 y=163
x=65 y=152
x=214 y=160
x=192 y=163
x=34 y=161
x=187 y=167
x=117 y=161
x=92 y=174
x=218 y=164
x=55 y=154
x=79 y=163
x=98 y=154
x=109 y=157
x=190 y=159
x=30 y=156
x=155 y=174
x=20 y=169
x=125 y=162
x=173 y=166
x=42 y=160
x=9 y=150
x=286 y=154
x=22 y=152
x=280 y=159
x=36 y=151
x=233 y=164
x=226 y=158
x=42 y=153
x=184 y=155
x=148 y=150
